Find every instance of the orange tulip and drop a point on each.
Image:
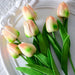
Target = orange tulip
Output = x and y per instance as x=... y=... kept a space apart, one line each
x=13 y=50
x=10 y=34
x=30 y=28
x=27 y=49
x=63 y=10
x=28 y=12
x=51 y=24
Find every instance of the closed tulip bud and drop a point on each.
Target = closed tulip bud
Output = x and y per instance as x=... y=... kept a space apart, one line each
x=63 y=10
x=28 y=12
x=30 y=28
x=27 y=49
x=13 y=50
x=51 y=24
x=10 y=34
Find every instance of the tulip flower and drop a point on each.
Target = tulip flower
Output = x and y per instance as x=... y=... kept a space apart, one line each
x=30 y=28
x=51 y=24
x=63 y=10
x=13 y=50
x=10 y=34
x=28 y=12
x=27 y=49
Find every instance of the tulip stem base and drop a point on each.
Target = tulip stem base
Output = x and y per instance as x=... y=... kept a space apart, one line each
x=23 y=57
x=53 y=34
x=18 y=41
x=71 y=63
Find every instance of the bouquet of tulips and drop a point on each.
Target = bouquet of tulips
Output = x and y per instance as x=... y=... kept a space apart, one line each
x=38 y=55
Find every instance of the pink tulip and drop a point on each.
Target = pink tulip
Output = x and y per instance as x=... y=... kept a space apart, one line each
x=63 y=10
x=27 y=49
x=10 y=33
x=28 y=12
x=13 y=50
x=51 y=24
x=30 y=28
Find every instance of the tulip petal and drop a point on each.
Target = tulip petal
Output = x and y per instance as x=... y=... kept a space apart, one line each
x=28 y=12
x=27 y=49
x=62 y=10
x=30 y=28
x=51 y=24
x=10 y=33
x=13 y=50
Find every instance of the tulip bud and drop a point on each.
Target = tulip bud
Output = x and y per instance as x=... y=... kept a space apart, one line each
x=30 y=28
x=13 y=50
x=63 y=10
x=51 y=24
x=10 y=34
x=27 y=49
x=28 y=12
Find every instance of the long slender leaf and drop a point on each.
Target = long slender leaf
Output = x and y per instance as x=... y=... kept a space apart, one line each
x=44 y=34
x=53 y=65
x=42 y=58
x=36 y=44
x=49 y=58
x=58 y=44
x=41 y=69
x=66 y=47
x=55 y=47
x=62 y=30
x=65 y=24
x=28 y=71
x=64 y=57
x=30 y=59
x=42 y=44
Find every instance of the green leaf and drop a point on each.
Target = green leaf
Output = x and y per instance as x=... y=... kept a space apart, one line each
x=62 y=30
x=65 y=24
x=53 y=65
x=49 y=58
x=42 y=58
x=42 y=45
x=55 y=47
x=28 y=71
x=66 y=46
x=44 y=34
x=64 y=57
x=35 y=43
x=41 y=69
x=71 y=62
x=30 y=59
x=54 y=38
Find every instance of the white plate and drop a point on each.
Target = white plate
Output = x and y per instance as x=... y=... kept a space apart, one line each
x=14 y=18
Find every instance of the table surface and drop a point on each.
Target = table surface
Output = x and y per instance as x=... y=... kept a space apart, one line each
x=5 y=5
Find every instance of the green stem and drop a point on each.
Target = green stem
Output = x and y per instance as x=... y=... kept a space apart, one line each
x=56 y=42
x=53 y=34
x=43 y=45
x=55 y=47
x=71 y=62
x=65 y=23
x=19 y=42
x=23 y=57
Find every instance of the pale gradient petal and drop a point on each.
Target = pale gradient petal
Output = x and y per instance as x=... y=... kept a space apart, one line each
x=51 y=24
x=30 y=28
x=62 y=10
x=13 y=50
x=27 y=49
